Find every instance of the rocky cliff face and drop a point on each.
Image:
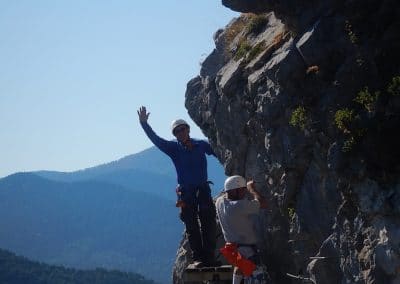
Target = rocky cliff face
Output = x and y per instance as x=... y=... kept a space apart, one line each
x=305 y=99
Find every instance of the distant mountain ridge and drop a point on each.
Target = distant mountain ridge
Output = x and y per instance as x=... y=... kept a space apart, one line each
x=149 y=170
x=149 y=160
x=119 y=215
x=88 y=224
x=17 y=269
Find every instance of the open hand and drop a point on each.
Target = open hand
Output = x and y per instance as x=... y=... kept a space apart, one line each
x=143 y=114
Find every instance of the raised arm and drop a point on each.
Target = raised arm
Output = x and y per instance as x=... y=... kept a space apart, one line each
x=164 y=145
x=252 y=189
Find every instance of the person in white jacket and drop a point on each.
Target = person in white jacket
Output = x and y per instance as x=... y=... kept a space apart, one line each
x=236 y=213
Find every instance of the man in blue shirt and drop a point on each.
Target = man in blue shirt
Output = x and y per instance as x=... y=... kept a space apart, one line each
x=188 y=157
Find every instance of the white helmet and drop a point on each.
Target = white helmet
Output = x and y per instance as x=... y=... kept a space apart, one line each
x=176 y=123
x=234 y=182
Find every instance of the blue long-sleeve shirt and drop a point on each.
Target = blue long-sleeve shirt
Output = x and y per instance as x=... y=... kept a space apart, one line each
x=190 y=165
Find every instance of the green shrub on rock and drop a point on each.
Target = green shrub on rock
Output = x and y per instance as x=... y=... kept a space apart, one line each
x=298 y=117
x=244 y=47
x=366 y=99
x=343 y=119
x=394 y=86
x=348 y=144
x=257 y=23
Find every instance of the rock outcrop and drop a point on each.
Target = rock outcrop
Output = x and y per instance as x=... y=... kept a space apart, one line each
x=305 y=99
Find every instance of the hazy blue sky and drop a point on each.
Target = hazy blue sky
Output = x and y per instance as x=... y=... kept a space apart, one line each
x=74 y=72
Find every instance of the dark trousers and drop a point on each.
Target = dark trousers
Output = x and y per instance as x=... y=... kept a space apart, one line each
x=198 y=214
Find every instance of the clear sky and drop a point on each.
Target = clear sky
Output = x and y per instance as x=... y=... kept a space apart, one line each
x=74 y=72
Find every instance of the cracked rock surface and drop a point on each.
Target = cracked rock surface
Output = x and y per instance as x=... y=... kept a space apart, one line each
x=305 y=99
